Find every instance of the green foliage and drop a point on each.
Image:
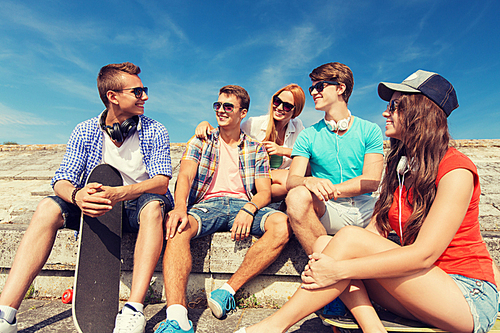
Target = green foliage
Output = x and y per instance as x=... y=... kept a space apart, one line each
x=30 y=293
x=151 y=296
x=10 y=143
x=250 y=301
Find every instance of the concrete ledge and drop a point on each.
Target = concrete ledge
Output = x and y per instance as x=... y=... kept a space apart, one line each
x=215 y=258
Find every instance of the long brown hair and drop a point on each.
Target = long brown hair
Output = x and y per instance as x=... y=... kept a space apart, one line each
x=299 y=99
x=424 y=141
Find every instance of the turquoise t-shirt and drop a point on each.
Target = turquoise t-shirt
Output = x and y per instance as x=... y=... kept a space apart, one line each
x=338 y=158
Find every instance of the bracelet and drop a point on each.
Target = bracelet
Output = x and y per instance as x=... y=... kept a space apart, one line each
x=256 y=207
x=247 y=211
x=73 y=195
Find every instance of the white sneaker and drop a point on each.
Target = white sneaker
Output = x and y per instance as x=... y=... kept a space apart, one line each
x=6 y=327
x=129 y=320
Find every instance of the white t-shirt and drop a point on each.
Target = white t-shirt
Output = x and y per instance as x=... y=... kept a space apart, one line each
x=256 y=127
x=127 y=158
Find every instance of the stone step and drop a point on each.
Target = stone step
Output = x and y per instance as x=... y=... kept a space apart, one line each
x=215 y=259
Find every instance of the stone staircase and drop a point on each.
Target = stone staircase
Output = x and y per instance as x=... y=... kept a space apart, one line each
x=25 y=173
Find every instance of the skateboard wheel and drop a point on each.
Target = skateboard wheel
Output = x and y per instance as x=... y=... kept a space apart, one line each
x=67 y=296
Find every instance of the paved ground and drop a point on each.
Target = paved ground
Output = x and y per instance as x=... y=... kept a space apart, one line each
x=42 y=316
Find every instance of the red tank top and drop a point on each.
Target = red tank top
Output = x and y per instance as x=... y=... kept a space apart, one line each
x=467 y=253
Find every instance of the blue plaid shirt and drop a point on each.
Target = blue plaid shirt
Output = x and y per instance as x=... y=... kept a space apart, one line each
x=84 y=151
x=253 y=161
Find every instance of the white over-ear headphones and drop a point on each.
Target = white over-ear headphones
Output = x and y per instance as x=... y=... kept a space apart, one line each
x=402 y=168
x=341 y=125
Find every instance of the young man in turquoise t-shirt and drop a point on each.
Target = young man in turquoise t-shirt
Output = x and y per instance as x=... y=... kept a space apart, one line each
x=346 y=158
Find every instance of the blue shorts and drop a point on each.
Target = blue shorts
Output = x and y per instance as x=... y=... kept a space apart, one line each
x=132 y=211
x=482 y=297
x=218 y=214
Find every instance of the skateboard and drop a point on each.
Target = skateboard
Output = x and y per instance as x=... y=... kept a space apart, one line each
x=391 y=322
x=97 y=277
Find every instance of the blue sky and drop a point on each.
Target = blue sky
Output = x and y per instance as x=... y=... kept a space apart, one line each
x=51 y=52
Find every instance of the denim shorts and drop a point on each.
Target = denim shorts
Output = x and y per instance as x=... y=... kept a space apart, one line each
x=132 y=210
x=218 y=214
x=482 y=297
x=355 y=211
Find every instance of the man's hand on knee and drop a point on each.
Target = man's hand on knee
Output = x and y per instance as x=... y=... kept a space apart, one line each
x=242 y=226
x=177 y=221
x=322 y=188
x=92 y=201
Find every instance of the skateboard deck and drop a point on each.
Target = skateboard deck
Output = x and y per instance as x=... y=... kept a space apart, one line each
x=391 y=322
x=97 y=276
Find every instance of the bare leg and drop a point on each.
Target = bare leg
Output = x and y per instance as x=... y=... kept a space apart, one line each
x=357 y=301
x=264 y=252
x=427 y=295
x=147 y=250
x=303 y=209
x=278 y=186
x=33 y=251
x=177 y=263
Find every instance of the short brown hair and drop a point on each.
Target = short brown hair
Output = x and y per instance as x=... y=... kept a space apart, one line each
x=109 y=78
x=239 y=92
x=335 y=71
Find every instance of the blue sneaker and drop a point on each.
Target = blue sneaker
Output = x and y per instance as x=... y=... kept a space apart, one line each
x=172 y=326
x=334 y=308
x=221 y=302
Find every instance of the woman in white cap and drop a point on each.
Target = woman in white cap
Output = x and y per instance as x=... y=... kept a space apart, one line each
x=442 y=274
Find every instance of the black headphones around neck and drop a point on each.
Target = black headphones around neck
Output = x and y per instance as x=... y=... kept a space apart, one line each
x=119 y=132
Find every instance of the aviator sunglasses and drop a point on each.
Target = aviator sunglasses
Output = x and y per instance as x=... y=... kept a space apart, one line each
x=138 y=91
x=227 y=107
x=321 y=85
x=287 y=107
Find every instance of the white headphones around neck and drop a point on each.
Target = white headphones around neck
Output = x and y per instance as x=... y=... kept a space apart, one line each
x=341 y=125
x=403 y=167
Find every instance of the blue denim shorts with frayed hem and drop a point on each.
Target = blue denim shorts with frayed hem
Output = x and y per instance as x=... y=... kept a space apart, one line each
x=218 y=214
x=132 y=211
x=482 y=297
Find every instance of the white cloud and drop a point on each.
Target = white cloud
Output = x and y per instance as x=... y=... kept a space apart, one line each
x=73 y=86
x=9 y=117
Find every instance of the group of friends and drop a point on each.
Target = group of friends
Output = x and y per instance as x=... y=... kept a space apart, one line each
x=270 y=177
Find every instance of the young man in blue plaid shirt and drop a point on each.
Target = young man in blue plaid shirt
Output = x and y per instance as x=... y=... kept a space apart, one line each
x=214 y=192
x=138 y=147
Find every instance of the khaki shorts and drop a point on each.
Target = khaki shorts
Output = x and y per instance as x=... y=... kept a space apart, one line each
x=347 y=211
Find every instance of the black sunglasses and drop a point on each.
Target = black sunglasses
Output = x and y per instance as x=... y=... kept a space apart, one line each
x=138 y=91
x=321 y=85
x=227 y=107
x=392 y=106
x=287 y=107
